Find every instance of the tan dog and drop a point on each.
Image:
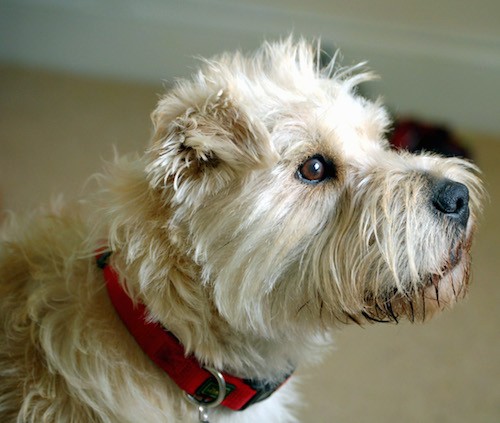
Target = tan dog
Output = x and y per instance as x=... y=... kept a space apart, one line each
x=268 y=208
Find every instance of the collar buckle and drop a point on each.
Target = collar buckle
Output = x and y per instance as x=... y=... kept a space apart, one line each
x=204 y=405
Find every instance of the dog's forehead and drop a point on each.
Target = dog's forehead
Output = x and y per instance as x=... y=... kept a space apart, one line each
x=282 y=88
x=316 y=108
x=335 y=120
x=352 y=126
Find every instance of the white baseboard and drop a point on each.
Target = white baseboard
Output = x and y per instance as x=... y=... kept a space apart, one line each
x=449 y=77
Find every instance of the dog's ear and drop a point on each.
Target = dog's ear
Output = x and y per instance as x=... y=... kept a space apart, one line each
x=204 y=143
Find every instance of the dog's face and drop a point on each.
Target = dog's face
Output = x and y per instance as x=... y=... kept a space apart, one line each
x=277 y=181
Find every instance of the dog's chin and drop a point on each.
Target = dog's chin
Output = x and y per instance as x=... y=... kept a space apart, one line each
x=435 y=293
x=439 y=291
x=444 y=290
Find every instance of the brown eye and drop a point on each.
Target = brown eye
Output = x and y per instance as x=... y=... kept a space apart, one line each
x=315 y=169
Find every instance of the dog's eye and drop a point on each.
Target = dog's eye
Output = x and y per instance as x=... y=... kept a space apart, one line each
x=315 y=169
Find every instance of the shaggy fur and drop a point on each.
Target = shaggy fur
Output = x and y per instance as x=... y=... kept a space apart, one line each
x=217 y=231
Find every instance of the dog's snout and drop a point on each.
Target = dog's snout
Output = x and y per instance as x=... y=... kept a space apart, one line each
x=451 y=199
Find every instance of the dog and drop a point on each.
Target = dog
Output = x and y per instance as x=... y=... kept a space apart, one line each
x=268 y=209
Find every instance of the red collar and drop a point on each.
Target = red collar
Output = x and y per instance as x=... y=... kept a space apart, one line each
x=167 y=352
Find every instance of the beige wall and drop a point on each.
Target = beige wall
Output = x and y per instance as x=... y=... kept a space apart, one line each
x=438 y=60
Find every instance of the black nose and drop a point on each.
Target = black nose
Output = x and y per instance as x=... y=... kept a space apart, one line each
x=451 y=199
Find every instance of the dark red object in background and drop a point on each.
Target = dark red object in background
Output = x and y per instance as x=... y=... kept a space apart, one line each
x=416 y=136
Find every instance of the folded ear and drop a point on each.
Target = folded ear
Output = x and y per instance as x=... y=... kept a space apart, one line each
x=205 y=143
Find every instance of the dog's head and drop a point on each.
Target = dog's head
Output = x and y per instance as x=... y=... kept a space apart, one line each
x=275 y=188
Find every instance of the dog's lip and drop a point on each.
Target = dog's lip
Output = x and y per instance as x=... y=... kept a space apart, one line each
x=455 y=260
x=454 y=274
x=448 y=267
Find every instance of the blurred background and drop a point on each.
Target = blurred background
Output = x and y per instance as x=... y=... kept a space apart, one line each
x=78 y=77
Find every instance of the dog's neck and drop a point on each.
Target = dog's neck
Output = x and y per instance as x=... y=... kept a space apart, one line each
x=167 y=352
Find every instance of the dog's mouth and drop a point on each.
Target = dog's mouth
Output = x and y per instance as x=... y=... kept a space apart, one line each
x=437 y=292
x=443 y=290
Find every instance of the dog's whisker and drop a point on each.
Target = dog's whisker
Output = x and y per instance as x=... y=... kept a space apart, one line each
x=388 y=306
x=302 y=306
x=372 y=318
x=353 y=319
x=423 y=305
x=412 y=314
